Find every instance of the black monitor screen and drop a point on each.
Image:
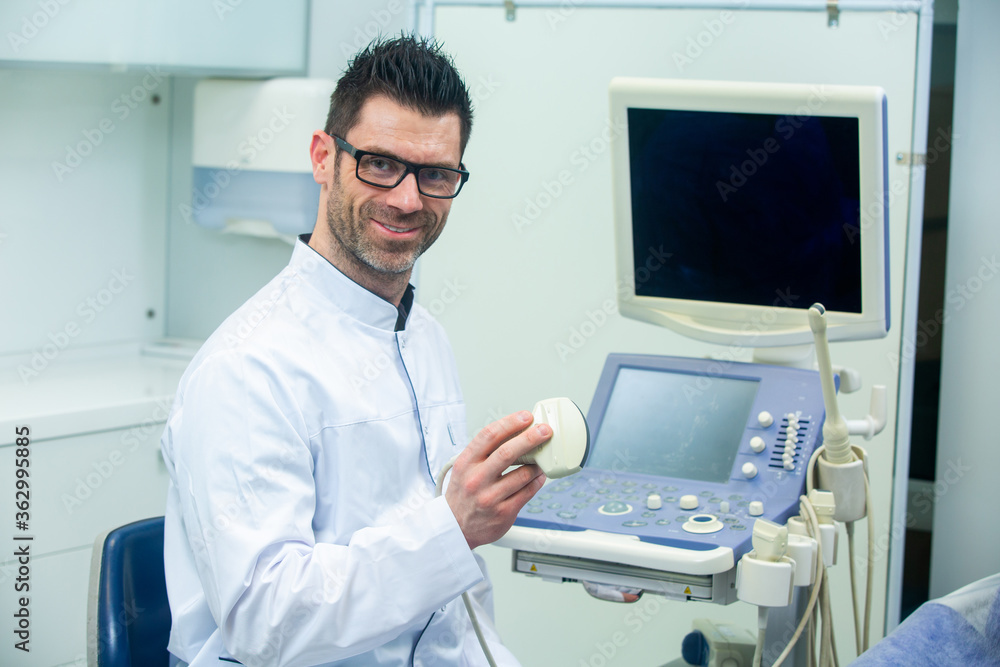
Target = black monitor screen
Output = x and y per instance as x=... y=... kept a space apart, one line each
x=673 y=424
x=754 y=209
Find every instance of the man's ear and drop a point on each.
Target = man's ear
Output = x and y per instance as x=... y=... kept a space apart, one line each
x=323 y=154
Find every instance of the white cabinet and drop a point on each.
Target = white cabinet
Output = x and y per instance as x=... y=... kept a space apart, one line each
x=189 y=36
x=94 y=464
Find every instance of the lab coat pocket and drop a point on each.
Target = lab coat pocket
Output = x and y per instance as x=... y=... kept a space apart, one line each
x=456 y=426
x=446 y=434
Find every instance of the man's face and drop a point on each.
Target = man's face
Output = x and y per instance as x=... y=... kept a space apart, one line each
x=385 y=230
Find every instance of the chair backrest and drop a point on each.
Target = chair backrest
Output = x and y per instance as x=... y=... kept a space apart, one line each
x=128 y=616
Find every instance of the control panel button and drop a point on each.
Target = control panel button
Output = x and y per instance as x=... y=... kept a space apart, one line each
x=654 y=501
x=756 y=508
x=689 y=502
x=724 y=507
x=749 y=470
x=703 y=523
x=757 y=444
x=765 y=419
x=615 y=507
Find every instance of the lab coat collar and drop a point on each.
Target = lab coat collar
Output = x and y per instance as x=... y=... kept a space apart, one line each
x=341 y=291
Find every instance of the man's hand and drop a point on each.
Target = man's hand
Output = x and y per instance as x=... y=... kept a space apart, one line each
x=485 y=500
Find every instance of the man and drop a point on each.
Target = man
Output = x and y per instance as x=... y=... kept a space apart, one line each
x=301 y=527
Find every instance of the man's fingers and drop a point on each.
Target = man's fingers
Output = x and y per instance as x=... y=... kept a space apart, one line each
x=517 y=500
x=512 y=482
x=500 y=431
x=509 y=452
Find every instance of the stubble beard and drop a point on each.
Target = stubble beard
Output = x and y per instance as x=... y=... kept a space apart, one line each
x=349 y=229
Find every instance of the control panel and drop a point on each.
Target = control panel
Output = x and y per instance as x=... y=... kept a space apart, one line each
x=686 y=455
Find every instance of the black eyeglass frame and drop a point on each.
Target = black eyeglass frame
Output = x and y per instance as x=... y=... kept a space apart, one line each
x=357 y=154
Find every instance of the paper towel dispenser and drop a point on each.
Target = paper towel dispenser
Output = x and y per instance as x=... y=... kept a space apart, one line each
x=251 y=139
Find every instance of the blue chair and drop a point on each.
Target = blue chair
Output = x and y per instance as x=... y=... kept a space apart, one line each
x=128 y=617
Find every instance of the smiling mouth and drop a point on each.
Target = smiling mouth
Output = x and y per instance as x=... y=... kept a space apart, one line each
x=397 y=230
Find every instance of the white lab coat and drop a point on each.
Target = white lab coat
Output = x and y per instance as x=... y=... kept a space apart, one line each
x=301 y=527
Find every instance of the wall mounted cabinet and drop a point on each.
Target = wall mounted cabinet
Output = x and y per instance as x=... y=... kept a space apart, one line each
x=230 y=37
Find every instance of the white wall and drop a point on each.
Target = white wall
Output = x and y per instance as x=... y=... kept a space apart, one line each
x=965 y=549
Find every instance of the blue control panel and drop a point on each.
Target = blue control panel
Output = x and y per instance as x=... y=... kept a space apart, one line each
x=688 y=453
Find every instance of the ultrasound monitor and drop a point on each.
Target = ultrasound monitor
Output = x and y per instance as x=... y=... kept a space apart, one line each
x=739 y=205
x=650 y=413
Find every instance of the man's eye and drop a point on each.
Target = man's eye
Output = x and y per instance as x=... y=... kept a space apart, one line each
x=380 y=164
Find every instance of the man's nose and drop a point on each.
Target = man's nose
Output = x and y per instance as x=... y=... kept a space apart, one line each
x=406 y=196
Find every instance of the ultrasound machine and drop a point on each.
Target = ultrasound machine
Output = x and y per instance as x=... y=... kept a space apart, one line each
x=765 y=199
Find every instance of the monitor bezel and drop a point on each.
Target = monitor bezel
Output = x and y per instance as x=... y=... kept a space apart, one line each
x=745 y=324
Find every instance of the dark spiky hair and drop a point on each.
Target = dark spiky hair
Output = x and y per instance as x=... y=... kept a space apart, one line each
x=411 y=71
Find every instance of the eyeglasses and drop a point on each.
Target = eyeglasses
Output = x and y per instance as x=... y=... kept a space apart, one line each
x=388 y=172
